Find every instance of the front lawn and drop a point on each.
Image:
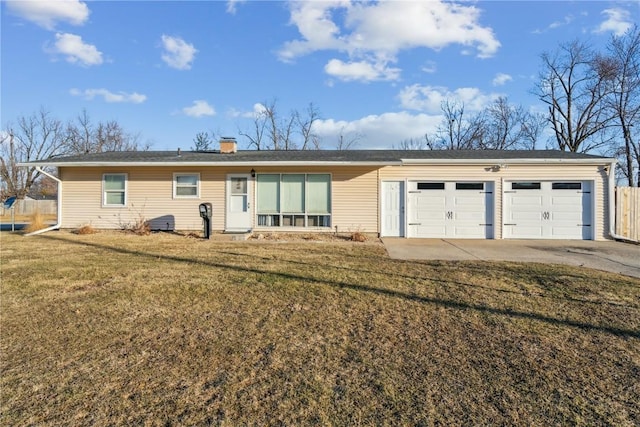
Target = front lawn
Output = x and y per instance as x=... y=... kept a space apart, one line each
x=114 y=329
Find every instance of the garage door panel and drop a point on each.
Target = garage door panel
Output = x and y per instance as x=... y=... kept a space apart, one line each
x=557 y=210
x=568 y=232
x=470 y=232
x=525 y=232
x=575 y=217
x=450 y=209
x=473 y=201
x=527 y=201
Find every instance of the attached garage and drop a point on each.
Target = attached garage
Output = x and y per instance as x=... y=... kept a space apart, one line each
x=548 y=210
x=449 y=209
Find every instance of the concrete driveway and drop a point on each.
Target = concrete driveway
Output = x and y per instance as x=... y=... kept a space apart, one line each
x=616 y=257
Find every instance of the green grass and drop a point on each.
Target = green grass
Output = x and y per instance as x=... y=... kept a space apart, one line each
x=113 y=329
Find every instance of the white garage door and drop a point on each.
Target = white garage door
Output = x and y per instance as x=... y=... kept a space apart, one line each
x=547 y=210
x=450 y=210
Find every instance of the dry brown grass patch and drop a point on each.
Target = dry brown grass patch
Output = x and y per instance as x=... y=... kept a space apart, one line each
x=36 y=222
x=113 y=329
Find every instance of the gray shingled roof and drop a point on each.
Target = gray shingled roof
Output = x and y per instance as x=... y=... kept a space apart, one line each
x=313 y=156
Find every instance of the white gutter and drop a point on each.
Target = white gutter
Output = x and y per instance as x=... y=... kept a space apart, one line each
x=612 y=205
x=596 y=161
x=59 y=214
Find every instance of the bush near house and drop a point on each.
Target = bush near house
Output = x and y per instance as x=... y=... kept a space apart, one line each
x=115 y=329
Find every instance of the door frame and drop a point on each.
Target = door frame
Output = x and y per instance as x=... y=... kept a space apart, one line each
x=247 y=225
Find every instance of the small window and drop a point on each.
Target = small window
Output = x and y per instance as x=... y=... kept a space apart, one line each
x=525 y=185
x=566 y=186
x=114 y=187
x=470 y=186
x=431 y=186
x=186 y=185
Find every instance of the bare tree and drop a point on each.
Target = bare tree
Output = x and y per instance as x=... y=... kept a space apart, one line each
x=456 y=131
x=413 y=144
x=347 y=141
x=310 y=140
x=82 y=136
x=203 y=141
x=38 y=136
x=509 y=127
x=272 y=131
x=624 y=102
x=255 y=136
x=574 y=90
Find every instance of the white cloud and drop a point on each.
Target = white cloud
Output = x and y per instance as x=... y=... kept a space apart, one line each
x=46 y=13
x=618 y=21
x=430 y=98
x=361 y=70
x=108 y=96
x=200 y=108
x=383 y=29
x=177 y=53
x=501 y=79
x=430 y=67
x=258 y=109
x=75 y=50
x=377 y=131
x=232 y=6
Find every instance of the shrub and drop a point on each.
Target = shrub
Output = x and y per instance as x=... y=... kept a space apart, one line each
x=141 y=227
x=86 y=229
x=358 y=237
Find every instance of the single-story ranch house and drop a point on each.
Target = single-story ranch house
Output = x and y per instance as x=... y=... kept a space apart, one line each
x=405 y=193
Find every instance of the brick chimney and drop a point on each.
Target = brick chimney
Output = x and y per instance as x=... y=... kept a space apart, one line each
x=228 y=145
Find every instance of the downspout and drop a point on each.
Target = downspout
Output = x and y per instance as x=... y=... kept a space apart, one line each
x=59 y=214
x=612 y=205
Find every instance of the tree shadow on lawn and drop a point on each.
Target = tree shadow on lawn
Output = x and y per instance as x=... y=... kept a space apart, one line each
x=422 y=277
x=370 y=289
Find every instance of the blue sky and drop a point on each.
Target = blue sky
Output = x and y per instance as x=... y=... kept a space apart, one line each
x=170 y=69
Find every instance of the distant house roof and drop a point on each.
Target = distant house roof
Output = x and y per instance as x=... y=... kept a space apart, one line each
x=318 y=157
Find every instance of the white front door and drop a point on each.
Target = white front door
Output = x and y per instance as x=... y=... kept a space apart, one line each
x=239 y=198
x=392 y=209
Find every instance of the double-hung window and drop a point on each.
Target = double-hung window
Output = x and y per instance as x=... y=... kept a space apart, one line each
x=293 y=200
x=114 y=189
x=186 y=185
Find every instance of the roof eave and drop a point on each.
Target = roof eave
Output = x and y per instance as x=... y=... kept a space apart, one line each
x=211 y=164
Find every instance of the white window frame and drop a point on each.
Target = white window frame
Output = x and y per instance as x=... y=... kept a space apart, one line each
x=104 y=190
x=175 y=185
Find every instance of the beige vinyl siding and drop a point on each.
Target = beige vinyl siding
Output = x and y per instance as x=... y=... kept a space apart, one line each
x=548 y=172
x=149 y=196
x=354 y=196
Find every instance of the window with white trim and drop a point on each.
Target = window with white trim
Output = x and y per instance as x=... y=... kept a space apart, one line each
x=186 y=185
x=114 y=189
x=293 y=200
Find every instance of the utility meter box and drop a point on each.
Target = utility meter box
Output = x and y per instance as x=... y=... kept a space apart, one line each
x=206 y=213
